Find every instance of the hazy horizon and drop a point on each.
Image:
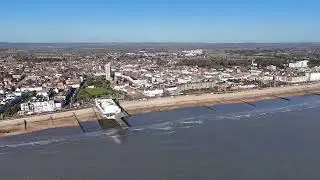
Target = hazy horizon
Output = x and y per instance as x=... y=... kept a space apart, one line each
x=159 y=42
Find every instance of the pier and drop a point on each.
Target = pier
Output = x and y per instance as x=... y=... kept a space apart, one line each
x=91 y=118
x=110 y=109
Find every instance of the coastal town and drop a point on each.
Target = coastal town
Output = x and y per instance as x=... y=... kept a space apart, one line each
x=50 y=79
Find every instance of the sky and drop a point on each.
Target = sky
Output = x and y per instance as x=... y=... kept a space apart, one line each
x=209 y=21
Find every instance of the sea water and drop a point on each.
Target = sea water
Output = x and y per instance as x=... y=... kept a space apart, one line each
x=276 y=139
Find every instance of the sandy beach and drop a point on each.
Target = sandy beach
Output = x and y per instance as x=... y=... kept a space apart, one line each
x=67 y=119
x=165 y=103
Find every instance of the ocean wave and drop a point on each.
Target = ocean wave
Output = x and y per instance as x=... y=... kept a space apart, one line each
x=76 y=137
x=160 y=126
x=3 y=153
x=186 y=127
x=31 y=143
x=167 y=128
x=171 y=125
x=166 y=133
x=267 y=111
x=192 y=122
x=138 y=129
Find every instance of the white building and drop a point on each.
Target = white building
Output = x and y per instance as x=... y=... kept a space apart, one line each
x=108 y=108
x=183 y=81
x=272 y=68
x=193 y=52
x=37 y=89
x=253 y=63
x=266 y=78
x=107 y=68
x=38 y=106
x=314 y=76
x=153 y=93
x=293 y=79
x=43 y=93
x=299 y=64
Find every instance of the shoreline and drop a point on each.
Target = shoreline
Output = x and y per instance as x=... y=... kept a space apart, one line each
x=176 y=102
x=67 y=119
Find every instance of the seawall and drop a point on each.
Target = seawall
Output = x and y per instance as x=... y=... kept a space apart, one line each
x=47 y=121
x=167 y=103
x=67 y=119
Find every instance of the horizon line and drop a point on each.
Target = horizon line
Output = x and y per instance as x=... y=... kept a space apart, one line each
x=157 y=42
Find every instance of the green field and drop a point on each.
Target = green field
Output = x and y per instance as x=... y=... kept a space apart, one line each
x=97 y=91
x=90 y=93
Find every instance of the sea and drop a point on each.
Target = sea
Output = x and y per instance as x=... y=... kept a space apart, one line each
x=267 y=140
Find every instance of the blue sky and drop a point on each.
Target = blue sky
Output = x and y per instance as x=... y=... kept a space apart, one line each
x=161 y=21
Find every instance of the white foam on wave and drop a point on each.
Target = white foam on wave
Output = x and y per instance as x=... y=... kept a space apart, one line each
x=160 y=126
x=166 y=128
x=186 y=127
x=266 y=111
x=138 y=129
x=65 y=138
x=32 y=143
x=192 y=122
x=166 y=133
x=110 y=132
x=116 y=139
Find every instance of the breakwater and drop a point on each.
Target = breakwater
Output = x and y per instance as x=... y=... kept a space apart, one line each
x=75 y=117
x=167 y=103
x=47 y=121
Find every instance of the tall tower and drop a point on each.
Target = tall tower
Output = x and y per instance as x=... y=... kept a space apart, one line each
x=107 y=68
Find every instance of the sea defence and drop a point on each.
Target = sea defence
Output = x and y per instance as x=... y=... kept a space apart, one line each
x=247 y=96
x=74 y=118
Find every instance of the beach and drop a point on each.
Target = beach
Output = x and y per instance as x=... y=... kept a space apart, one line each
x=276 y=139
x=167 y=103
x=73 y=118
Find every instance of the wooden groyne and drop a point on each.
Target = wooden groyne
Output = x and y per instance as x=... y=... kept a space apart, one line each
x=48 y=121
x=248 y=96
x=75 y=118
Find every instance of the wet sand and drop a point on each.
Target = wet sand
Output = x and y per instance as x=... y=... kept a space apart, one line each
x=167 y=103
x=276 y=140
x=66 y=119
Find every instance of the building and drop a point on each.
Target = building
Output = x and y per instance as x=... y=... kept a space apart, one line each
x=299 y=64
x=153 y=93
x=292 y=79
x=315 y=76
x=194 y=86
x=107 y=68
x=193 y=52
x=39 y=104
x=272 y=68
x=108 y=108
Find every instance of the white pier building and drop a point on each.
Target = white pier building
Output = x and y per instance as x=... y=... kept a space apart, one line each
x=108 y=108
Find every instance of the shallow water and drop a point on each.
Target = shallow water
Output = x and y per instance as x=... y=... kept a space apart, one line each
x=277 y=139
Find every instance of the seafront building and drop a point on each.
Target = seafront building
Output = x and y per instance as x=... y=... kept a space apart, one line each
x=138 y=74
x=39 y=104
x=107 y=108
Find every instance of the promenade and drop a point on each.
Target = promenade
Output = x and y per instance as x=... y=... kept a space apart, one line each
x=74 y=117
x=166 y=103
